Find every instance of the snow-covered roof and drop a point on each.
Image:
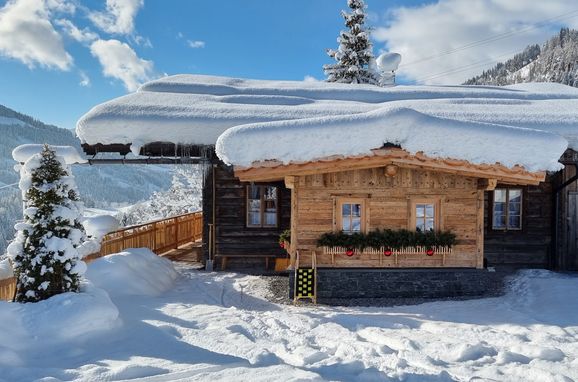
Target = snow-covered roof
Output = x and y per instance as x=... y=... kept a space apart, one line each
x=256 y=120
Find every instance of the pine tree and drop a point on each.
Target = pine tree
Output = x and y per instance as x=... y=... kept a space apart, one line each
x=44 y=253
x=355 y=53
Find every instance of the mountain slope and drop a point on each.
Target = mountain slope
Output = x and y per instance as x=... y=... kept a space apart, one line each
x=99 y=186
x=555 y=61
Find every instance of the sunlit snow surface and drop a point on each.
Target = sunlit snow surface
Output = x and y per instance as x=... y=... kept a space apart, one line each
x=218 y=326
x=474 y=123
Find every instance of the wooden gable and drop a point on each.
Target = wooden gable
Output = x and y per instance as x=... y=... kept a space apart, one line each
x=390 y=159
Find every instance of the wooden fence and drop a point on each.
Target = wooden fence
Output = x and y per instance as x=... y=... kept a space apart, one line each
x=159 y=236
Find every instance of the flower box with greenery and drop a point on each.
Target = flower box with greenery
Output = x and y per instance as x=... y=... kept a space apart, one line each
x=387 y=244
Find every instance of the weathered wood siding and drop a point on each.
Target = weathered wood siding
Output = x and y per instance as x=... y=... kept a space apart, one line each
x=388 y=206
x=567 y=243
x=232 y=236
x=530 y=246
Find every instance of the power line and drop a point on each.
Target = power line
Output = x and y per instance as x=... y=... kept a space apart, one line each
x=464 y=67
x=8 y=185
x=494 y=38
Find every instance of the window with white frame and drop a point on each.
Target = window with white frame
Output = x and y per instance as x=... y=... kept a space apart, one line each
x=262 y=206
x=425 y=217
x=351 y=215
x=507 y=209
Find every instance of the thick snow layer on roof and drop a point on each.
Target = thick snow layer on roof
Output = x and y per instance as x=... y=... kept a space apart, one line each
x=68 y=153
x=193 y=109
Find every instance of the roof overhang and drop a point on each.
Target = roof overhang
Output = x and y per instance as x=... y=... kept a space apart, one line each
x=268 y=171
x=154 y=149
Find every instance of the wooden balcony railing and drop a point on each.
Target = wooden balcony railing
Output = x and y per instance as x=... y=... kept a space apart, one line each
x=159 y=236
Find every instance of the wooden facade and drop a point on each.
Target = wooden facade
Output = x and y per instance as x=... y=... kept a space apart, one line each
x=529 y=246
x=387 y=186
x=225 y=215
x=547 y=238
x=387 y=203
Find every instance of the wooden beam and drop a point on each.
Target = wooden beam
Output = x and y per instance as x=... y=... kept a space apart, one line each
x=290 y=182
x=487 y=184
x=274 y=170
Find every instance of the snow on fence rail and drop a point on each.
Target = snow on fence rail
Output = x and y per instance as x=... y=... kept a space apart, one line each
x=159 y=236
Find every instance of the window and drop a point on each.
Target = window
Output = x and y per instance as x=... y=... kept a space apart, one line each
x=351 y=215
x=424 y=217
x=507 y=209
x=262 y=206
x=424 y=214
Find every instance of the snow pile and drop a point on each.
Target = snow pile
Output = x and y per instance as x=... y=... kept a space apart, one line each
x=137 y=271
x=6 y=270
x=217 y=326
x=62 y=320
x=97 y=226
x=299 y=141
x=68 y=153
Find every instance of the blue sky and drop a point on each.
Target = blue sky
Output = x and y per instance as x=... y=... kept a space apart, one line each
x=59 y=58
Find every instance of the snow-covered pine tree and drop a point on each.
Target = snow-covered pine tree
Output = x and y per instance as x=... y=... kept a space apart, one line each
x=44 y=253
x=354 y=55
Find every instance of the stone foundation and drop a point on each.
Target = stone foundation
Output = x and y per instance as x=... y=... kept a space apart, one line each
x=335 y=283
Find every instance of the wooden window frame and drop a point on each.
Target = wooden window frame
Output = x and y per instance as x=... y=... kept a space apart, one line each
x=437 y=203
x=262 y=211
x=506 y=228
x=338 y=208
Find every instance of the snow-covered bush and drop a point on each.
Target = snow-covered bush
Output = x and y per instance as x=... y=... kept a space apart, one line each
x=44 y=253
x=354 y=55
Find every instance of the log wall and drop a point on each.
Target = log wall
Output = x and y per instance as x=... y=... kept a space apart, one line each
x=530 y=246
x=232 y=236
x=388 y=206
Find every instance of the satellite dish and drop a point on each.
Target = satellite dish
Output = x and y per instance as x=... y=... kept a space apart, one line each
x=388 y=62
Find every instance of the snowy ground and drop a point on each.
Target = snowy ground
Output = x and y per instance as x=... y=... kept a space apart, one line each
x=200 y=326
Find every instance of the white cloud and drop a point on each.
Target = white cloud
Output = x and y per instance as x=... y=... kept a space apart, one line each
x=196 y=44
x=309 y=78
x=120 y=61
x=81 y=35
x=423 y=34
x=84 y=80
x=27 y=35
x=118 y=18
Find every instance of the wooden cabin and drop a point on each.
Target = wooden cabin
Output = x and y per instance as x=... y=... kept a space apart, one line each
x=389 y=190
x=500 y=215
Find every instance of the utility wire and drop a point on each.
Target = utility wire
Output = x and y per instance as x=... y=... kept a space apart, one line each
x=8 y=185
x=494 y=38
x=465 y=67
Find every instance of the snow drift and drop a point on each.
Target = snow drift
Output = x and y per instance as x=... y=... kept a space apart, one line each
x=68 y=319
x=136 y=271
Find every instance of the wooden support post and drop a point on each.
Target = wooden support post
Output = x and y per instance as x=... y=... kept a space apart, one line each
x=480 y=231
x=291 y=182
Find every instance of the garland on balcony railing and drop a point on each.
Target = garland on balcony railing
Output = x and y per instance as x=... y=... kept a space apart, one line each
x=387 y=239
